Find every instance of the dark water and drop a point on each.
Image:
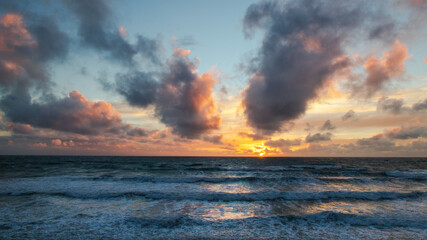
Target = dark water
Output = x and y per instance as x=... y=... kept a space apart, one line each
x=212 y=198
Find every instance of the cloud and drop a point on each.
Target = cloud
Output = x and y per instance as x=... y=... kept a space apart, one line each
x=376 y=142
x=253 y=136
x=184 y=99
x=26 y=47
x=56 y=142
x=381 y=70
x=418 y=4
x=348 y=115
x=283 y=144
x=216 y=139
x=302 y=50
x=327 y=126
x=308 y=127
x=139 y=88
x=180 y=52
x=304 y=47
x=20 y=128
x=318 y=137
x=406 y=132
x=136 y=132
x=25 y=50
x=396 y=106
x=391 y=105
x=122 y=31
x=420 y=106
x=97 y=30
x=52 y=43
x=73 y=114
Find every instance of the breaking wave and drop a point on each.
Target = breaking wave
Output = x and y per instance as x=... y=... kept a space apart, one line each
x=227 y=197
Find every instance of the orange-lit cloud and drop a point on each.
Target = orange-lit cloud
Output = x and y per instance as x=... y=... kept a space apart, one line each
x=123 y=32
x=13 y=32
x=180 y=52
x=20 y=128
x=381 y=70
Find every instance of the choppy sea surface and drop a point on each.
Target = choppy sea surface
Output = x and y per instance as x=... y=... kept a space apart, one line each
x=212 y=198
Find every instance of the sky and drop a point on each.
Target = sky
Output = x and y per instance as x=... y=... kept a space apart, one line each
x=214 y=78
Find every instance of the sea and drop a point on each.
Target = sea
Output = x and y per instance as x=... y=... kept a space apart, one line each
x=70 y=197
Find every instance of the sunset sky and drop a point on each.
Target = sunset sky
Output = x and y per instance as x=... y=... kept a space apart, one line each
x=214 y=78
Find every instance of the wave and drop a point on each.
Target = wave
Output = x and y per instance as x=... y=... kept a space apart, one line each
x=324 y=217
x=418 y=174
x=320 y=167
x=228 y=197
x=175 y=179
x=219 y=180
x=277 y=168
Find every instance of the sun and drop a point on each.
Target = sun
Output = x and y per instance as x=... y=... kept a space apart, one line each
x=261 y=154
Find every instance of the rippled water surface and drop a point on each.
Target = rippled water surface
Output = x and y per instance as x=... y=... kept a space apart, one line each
x=212 y=198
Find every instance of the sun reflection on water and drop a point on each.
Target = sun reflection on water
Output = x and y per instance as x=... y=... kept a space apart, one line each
x=224 y=211
x=227 y=188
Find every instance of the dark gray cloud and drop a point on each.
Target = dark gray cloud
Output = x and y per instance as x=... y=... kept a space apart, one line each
x=301 y=51
x=184 y=99
x=383 y=31
x=139 y=88
x=52 y=42
x=318 y=137
x=98 y=31
x=327 y=126
x=396 y=106
x=406 y=132
x=390 y=105
x=376 y=142
x=136 y=132
x=348 y=115
x=420 y=106
x=71 y=114
x=216 y=139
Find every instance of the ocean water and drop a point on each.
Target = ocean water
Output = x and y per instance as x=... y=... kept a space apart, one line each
x=212 y=198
